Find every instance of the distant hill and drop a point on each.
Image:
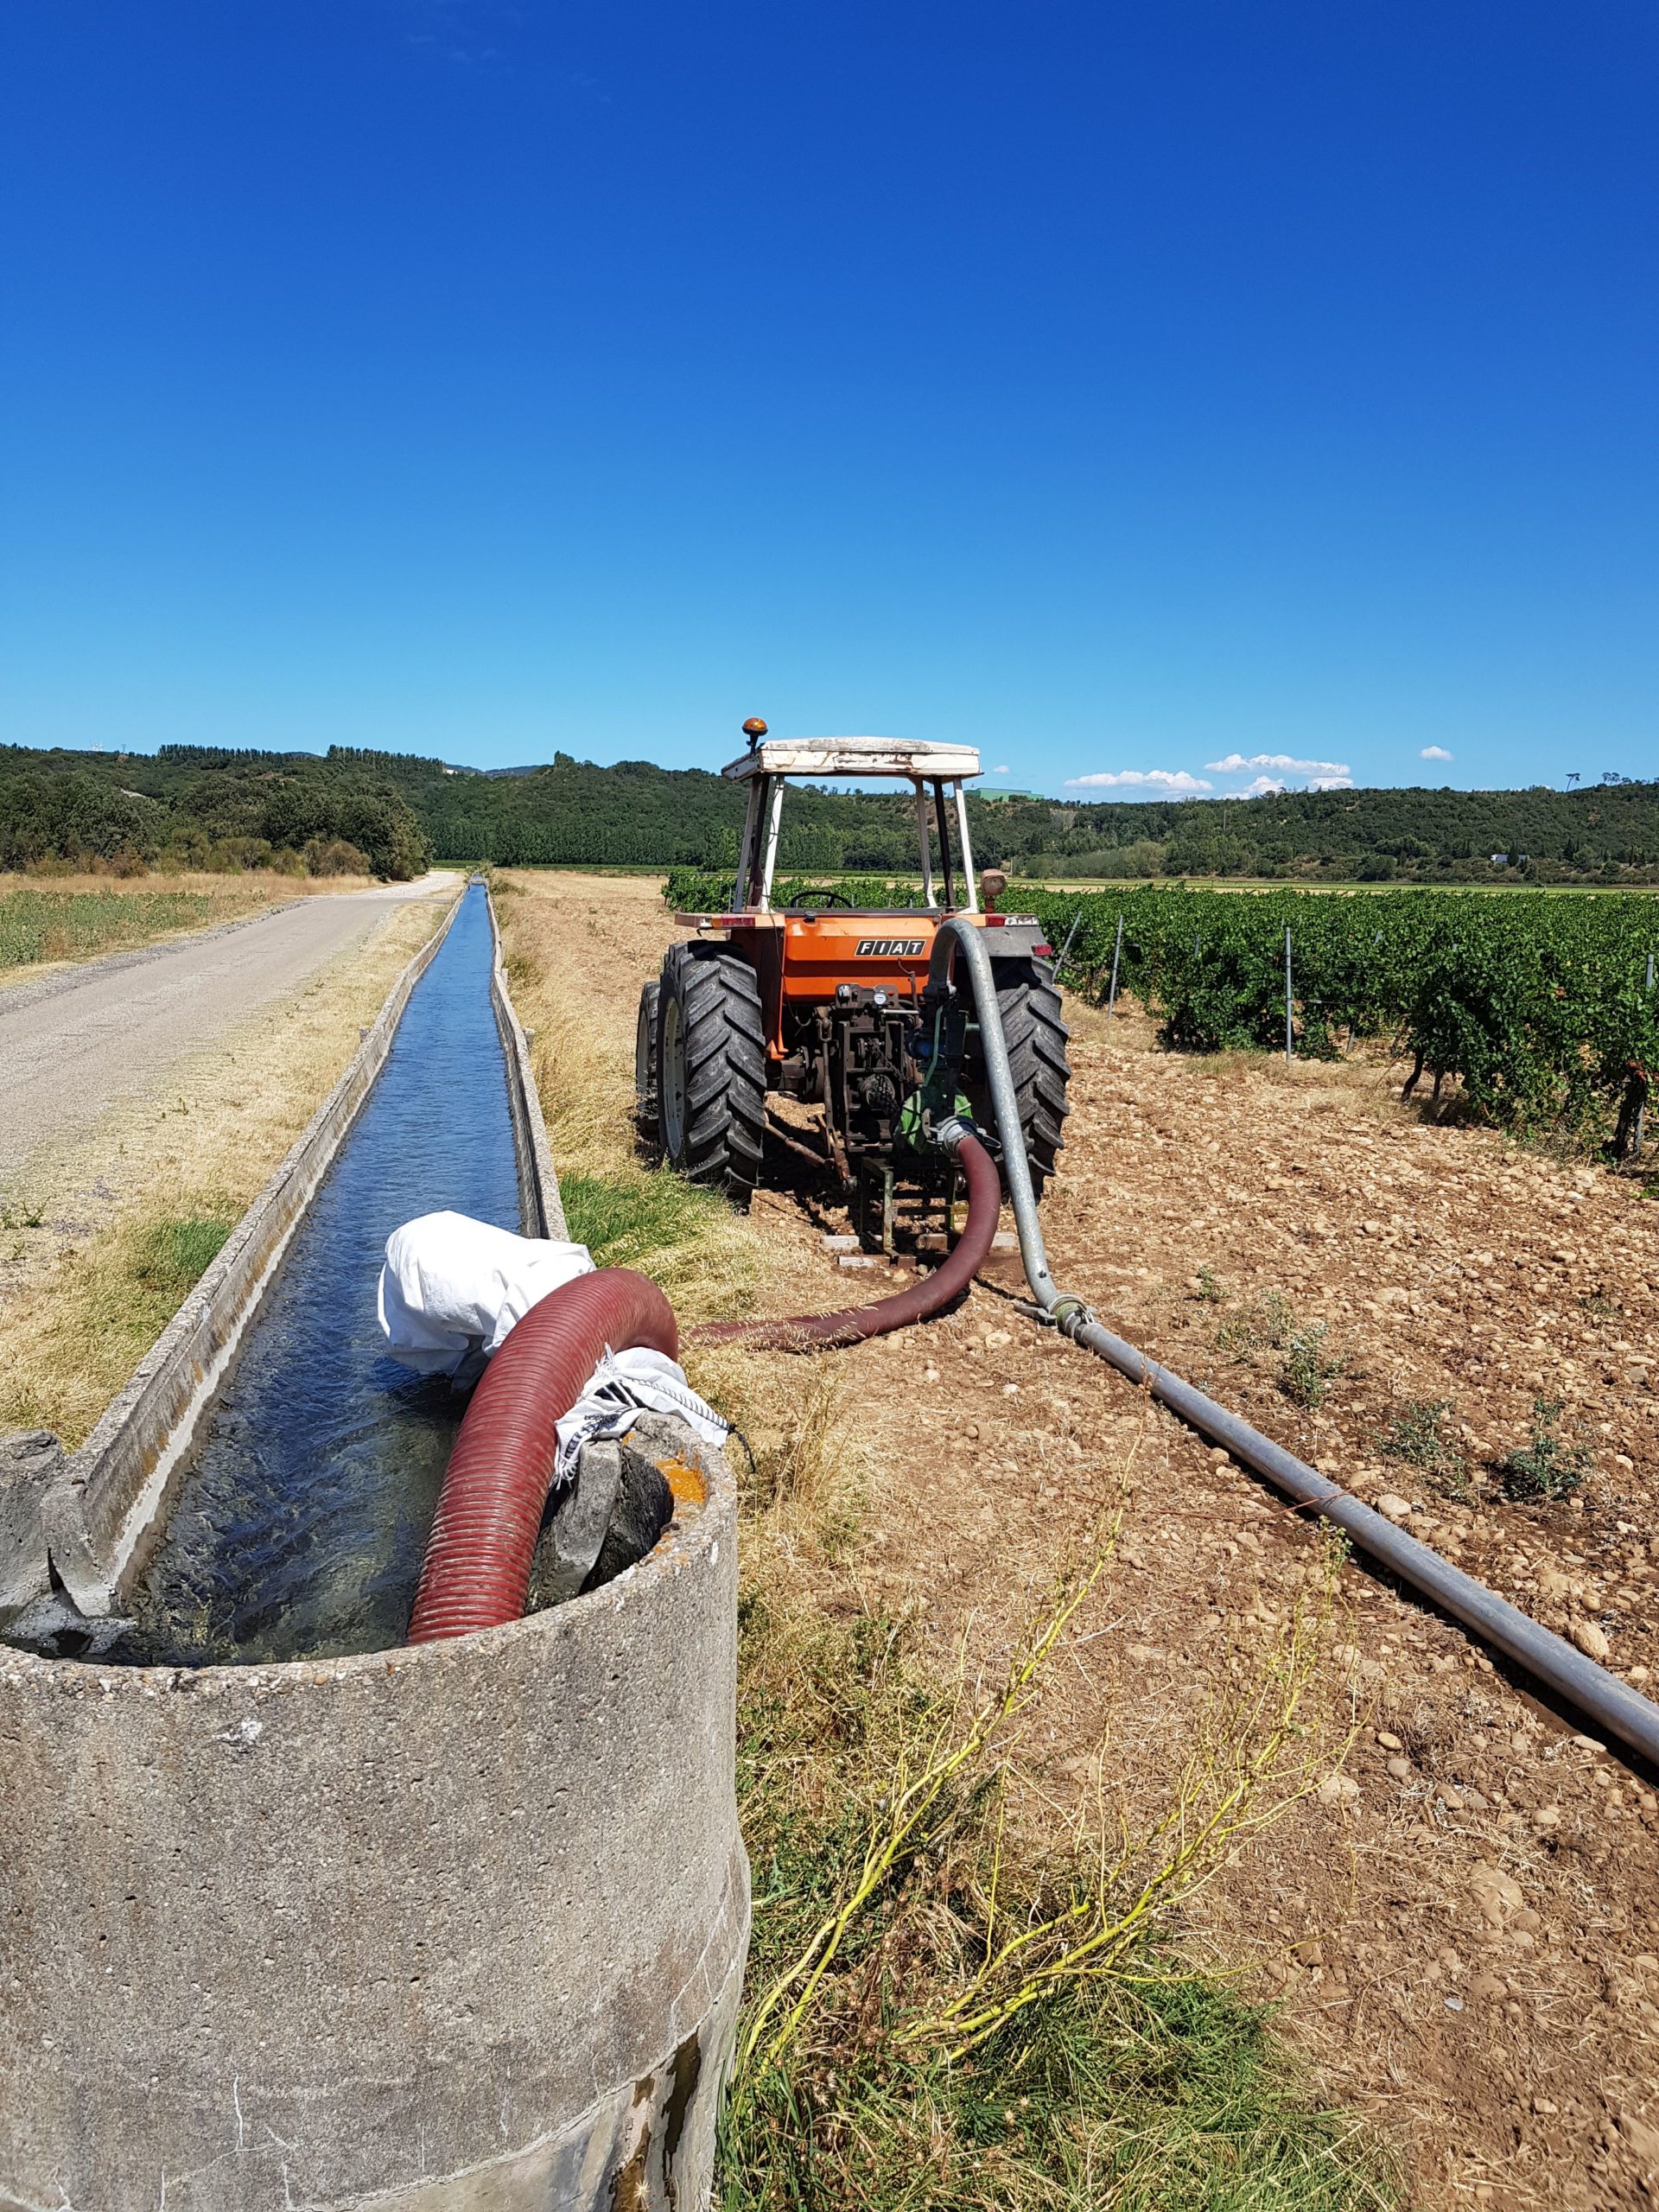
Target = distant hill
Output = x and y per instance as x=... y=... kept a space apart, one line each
x=1609 y=832
x=203 y=806
x=229 y=807
x=571 y=812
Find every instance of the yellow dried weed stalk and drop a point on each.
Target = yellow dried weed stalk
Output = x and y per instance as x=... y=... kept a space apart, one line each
x=1278 y=1725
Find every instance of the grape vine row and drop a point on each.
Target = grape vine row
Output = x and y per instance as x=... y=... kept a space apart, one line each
x=1534 y=1011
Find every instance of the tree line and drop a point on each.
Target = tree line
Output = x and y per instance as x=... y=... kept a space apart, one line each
x=234 y=806
x=205 y=807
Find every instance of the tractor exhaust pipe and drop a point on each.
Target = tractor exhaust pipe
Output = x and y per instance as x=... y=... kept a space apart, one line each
x=1620 y=1710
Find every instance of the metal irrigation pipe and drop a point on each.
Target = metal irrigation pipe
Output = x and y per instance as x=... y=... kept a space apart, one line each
x=1619 y=1709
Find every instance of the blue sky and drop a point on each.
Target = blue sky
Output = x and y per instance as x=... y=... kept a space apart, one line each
x=1213 y=394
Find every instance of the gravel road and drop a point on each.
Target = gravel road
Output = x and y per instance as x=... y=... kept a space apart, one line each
x=77 y=1039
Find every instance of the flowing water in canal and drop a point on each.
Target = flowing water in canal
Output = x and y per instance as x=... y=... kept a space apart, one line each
x=299 y=1527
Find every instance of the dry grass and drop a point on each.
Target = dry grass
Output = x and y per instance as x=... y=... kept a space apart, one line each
x=108 y=1305
x=50 y=921
x=98 y=1247
x=257 y=886
x=806 y=1468
x=955 y=1999
x=576 y=952
x=575 y=966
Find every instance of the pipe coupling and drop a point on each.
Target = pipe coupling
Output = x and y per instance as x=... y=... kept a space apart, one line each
x=1069 y=1315
x=949 y=1130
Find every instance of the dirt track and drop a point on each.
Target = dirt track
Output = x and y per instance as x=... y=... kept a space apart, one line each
x=82 y=1037
x=1461 y=1929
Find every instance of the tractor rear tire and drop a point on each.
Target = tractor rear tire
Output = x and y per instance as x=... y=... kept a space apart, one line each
x=645 y=1073
x=711 y=1070
x=1032 y=1022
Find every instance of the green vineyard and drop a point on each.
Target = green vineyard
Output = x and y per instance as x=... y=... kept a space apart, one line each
x=1532 y=1011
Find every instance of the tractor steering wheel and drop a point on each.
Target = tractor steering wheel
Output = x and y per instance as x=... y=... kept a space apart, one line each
x=834 y=898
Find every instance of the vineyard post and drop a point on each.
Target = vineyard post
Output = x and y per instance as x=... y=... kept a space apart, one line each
x=1641 y=1110
x=1070 y=938
x=1117 y=954
x=1290 y=1056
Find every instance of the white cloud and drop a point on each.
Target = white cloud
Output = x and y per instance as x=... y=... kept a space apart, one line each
x=1261 y=788
x=1284 y=764
x=1433 y=753
x=1330 y=783
x=1162 y=782
x=1002 y=770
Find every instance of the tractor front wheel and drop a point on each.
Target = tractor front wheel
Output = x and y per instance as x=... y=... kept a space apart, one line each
x=711 y=1070
x=644 y=1073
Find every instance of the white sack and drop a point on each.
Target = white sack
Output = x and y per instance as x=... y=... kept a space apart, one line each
x=623 y=1386
x=451 y=1289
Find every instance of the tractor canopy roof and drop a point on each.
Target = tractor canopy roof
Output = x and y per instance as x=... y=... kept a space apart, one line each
x=853 y=756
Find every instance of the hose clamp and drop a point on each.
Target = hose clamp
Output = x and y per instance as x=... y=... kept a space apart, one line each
x=949 y=1130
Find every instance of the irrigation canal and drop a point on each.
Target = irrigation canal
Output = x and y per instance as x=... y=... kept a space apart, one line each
x=299 y=1524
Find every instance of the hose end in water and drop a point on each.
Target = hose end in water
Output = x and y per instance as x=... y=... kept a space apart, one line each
x=482 y=1543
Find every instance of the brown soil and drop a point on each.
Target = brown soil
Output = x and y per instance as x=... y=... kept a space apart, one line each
x=1460 y=1926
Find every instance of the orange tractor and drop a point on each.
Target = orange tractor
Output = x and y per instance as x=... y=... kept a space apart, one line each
x=830 y=1005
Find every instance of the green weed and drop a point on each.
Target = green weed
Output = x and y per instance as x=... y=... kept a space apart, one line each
x=1417 y=1435
x=1546 y=1465
x=1145 y=2099
x=1305 y=1369
x=1210 y=1288
x=631 y=1221
x=687 y=1239
x=1257 y=1328
x=1308 y=1371
x=171 y=1256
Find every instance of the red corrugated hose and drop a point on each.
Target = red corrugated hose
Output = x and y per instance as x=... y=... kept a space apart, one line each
x=476 y=1572
x=812 y=1331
